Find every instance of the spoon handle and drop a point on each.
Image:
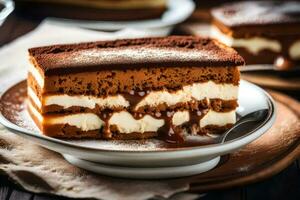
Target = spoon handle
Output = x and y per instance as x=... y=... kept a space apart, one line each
x=251 y=117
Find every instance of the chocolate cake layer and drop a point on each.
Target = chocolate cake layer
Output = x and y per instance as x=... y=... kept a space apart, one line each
x=133 y=89
x=257 y=30
x=111 y=82
x=172 y=51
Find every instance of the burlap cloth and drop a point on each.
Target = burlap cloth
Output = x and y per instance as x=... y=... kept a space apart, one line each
x=43 y=171
x=40 y=170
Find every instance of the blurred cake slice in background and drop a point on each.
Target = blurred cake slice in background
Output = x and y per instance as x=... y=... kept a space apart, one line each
x=263 y=32
x=111 y=10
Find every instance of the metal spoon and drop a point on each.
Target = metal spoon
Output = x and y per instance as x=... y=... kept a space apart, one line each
x=256 y=116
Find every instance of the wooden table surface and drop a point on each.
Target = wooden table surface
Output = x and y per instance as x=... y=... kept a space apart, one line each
x=285 y=185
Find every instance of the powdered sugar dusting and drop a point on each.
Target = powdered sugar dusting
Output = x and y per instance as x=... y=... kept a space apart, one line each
x=258 y=12
x=134 y=56
x=25 y=121
x=122 y=145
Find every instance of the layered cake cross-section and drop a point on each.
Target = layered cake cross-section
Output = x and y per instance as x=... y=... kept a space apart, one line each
x=134 y=89
x=263 y=32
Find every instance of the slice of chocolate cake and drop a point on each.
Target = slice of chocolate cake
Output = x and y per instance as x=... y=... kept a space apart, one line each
x=133 y=89
x=263 y=32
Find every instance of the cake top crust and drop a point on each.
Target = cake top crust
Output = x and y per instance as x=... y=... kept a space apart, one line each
x=172 y=51
x=258 y=13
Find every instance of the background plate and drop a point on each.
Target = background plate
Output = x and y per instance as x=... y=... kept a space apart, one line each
x=177 y=12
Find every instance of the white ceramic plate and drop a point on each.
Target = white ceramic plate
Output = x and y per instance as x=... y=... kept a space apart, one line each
x=8 y=7
x=177 y=12
x=132 y=158
x=144 y=172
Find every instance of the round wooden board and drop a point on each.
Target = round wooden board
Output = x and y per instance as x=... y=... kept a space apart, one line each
x=263 y=158
x=273 y=81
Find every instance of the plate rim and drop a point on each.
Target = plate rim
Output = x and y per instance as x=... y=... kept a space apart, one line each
x=28 y=133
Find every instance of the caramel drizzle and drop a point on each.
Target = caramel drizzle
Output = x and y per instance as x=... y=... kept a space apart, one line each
x=168 y=132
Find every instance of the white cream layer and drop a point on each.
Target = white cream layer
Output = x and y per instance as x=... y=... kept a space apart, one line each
x=180 y=117
x=34 y=97
x=218 y=118
x=83 y=121
x=294 y=50
x=67 y=101
x=196 y=91
x=253 y=45
x=127 y=124
x=37 y=75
